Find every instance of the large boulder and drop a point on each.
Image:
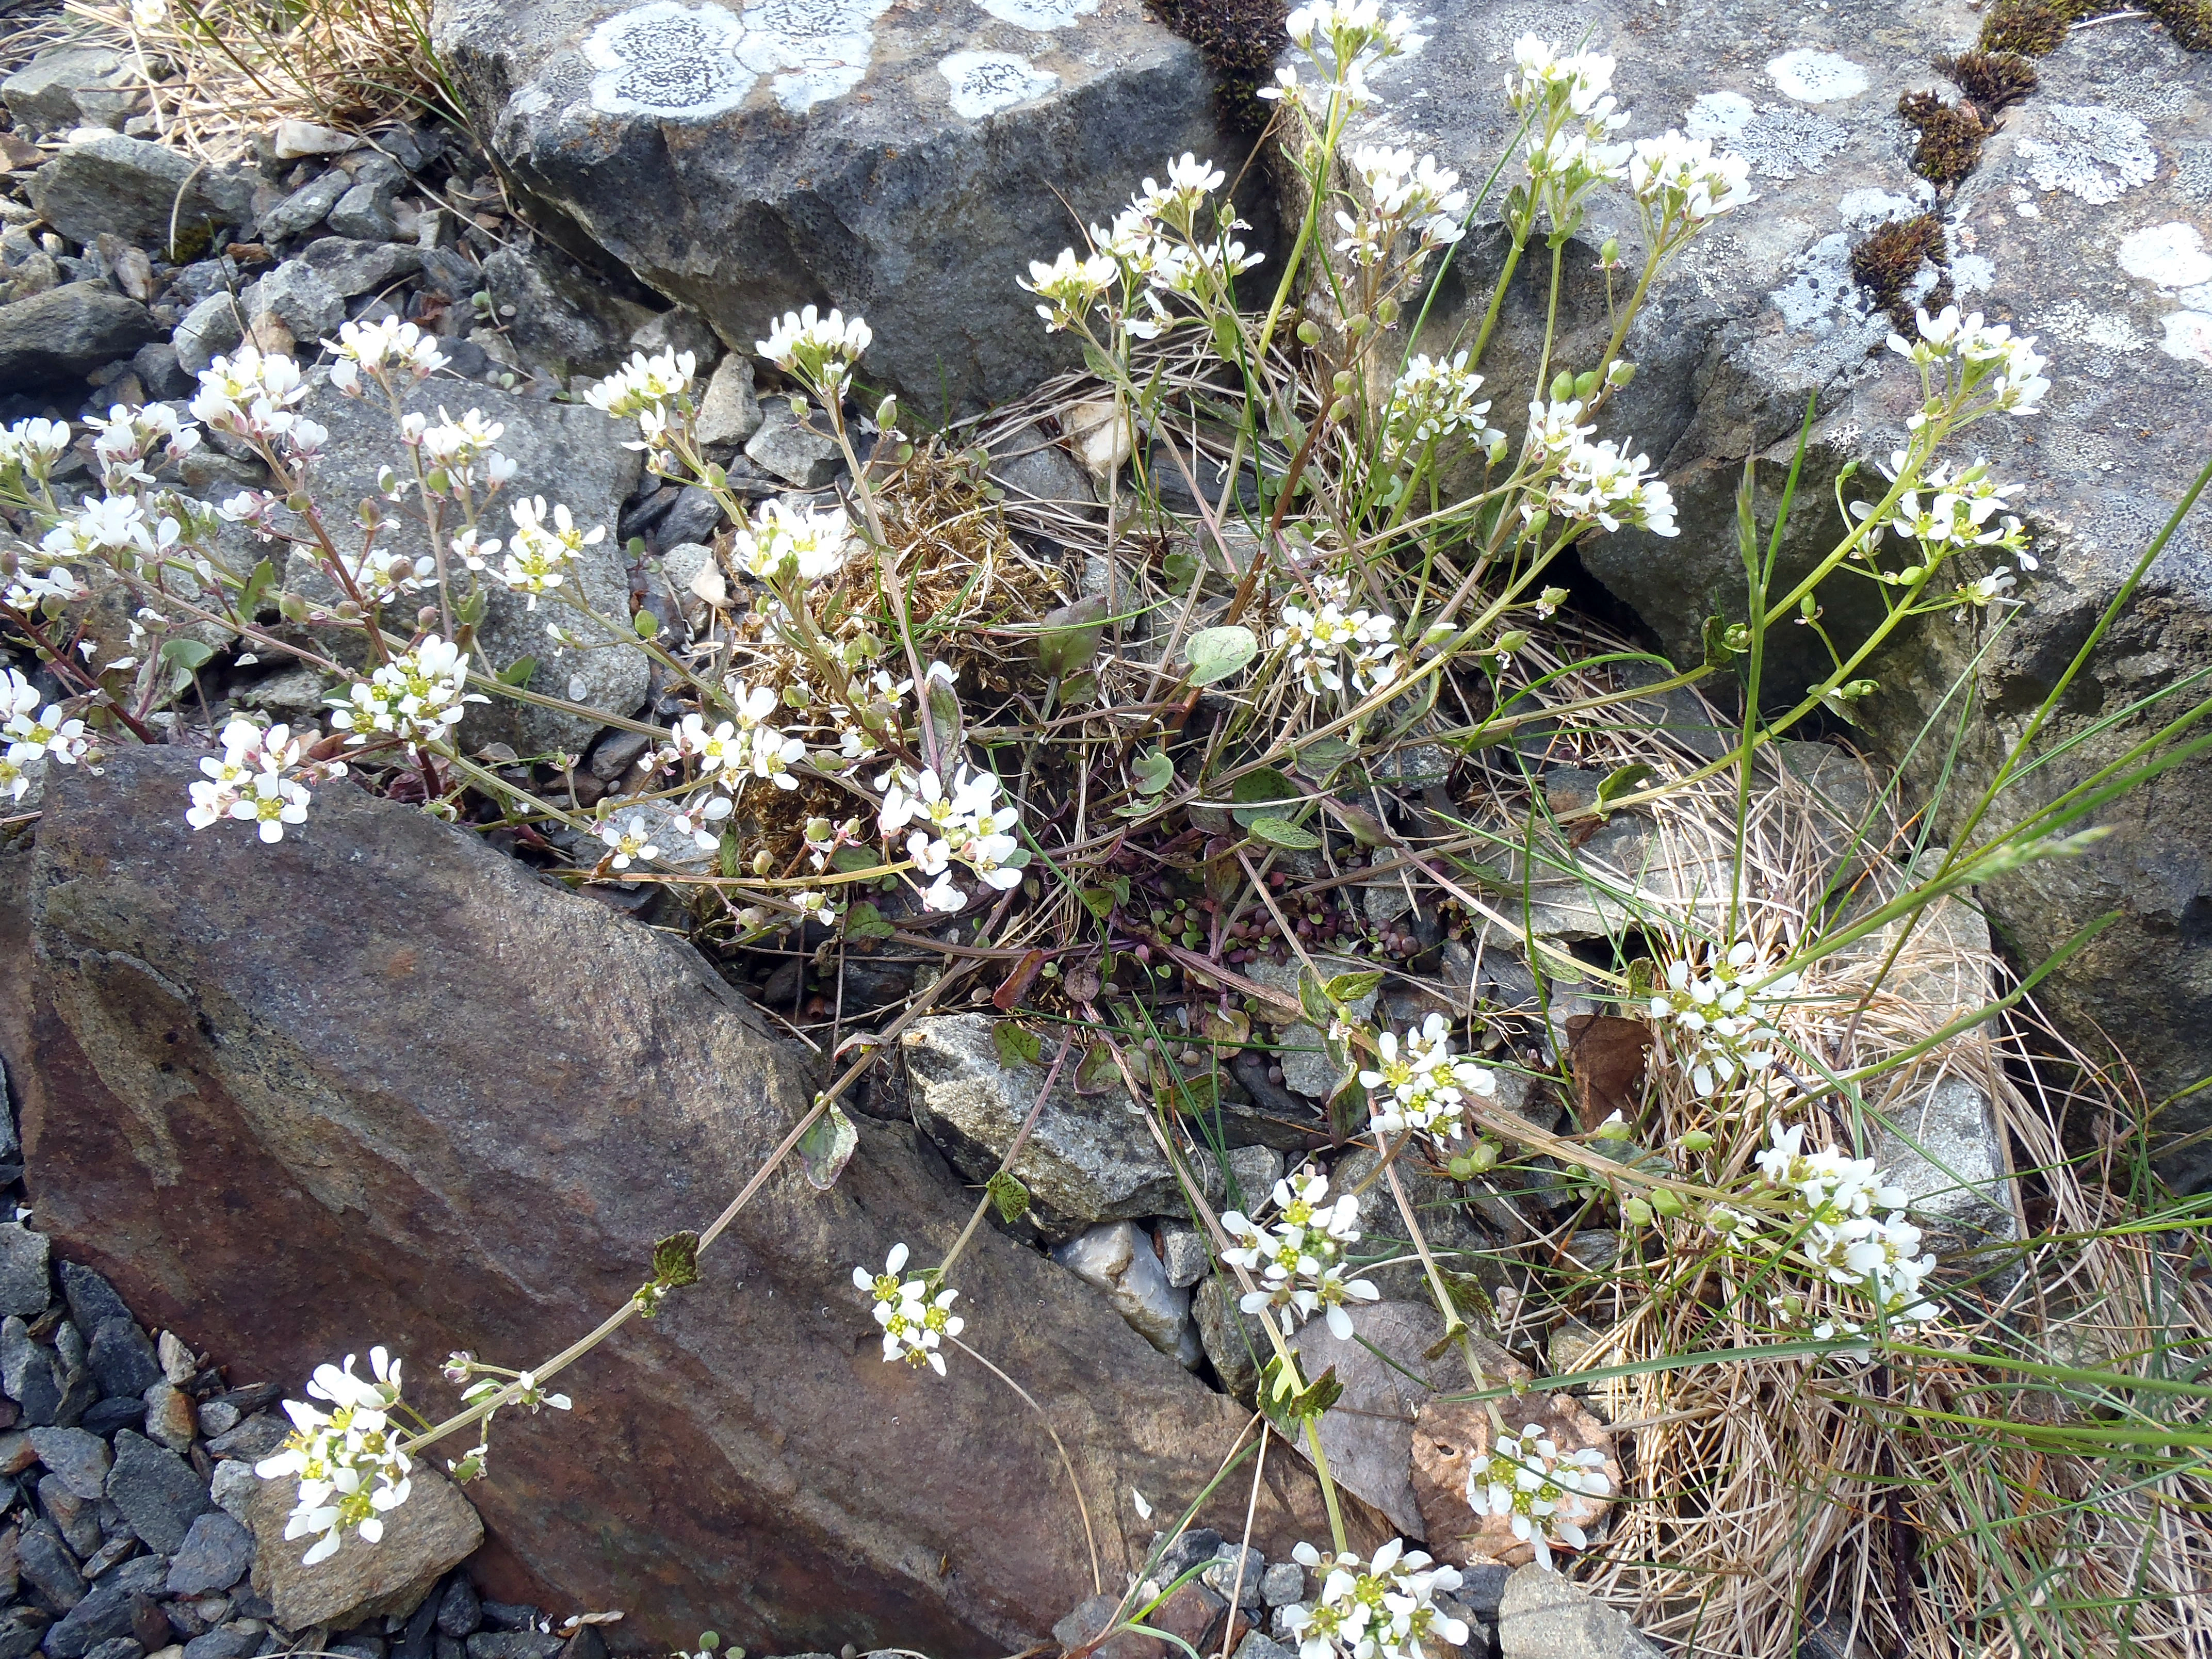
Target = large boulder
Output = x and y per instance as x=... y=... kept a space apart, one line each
x=2087 y=223
x=377 y=1084
x=68 y=330
x=903 y=161
x=150 y=196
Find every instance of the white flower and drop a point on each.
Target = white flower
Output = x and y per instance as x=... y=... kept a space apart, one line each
x=51 y=734
x=644 y=383
x=1525 y=1477
x=820 y=351
x=1434 y=399
x=629 y=836
x=349 y=1468
x=1314 y=641
x=416 y=698
x=915 y=1323
x=382 y=347
x=249 y=394
x=272 y=801
x=1298 y=1257
x=1071 y=285
x=1384 y=1608
x=1680 y=179
x=784 y=544
x=1417 y=1083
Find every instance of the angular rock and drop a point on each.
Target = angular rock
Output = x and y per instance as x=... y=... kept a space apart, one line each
x=558 y=316
x=132 y=188
x=68 y=330
x=1029 y=465
x=76 y=1519
x=156 y=1491
x=365 y=212
x=326 y=1082
x=305 y=207
x=298 y=296
x=233 y=1641
x=1117 y=1258
x=66 y=87
x=28 y=1372
x=1088 y=1160
x=459 y=1610
x=92 y=1300
x=26 y=1287
x=354 y=268
x=209 y=330
x=104 y=1613
x=566 y=453
x=49 y=1569
x=902 y=162
x=729 y=412
x=361 y=1581
x=801 y=455
x=215 y=1555
x=1542 y=1616
x=1236 y=1345
x=170 y=1417
x=122 y=1359
x=515 y=1644
x=1183 y=1254
x=80 y=1460
x=1283 y=1583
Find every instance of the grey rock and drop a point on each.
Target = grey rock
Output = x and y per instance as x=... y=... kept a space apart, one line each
x=209 y=330
x=233 y=1488
x=92 y=1300
x=1029 y=465
x=1118 y=1259
x=298 y=296
x=694 y=518
x=1237 y=1347
x=1441 y=1207
x=75 y=1518
x=104 y=1417
x=1283 y=1584
x=424 y=1538
x=26 y=1287
x=160 y=373
x=800 y=454
x=1256 y=1646
x=49 y=1568
x=1542 y=1616
x=118 y=1647
x=678 y=329
x=170 y=1417
x=68 y=85
x=233 y=1641
x=459 y=1611
x=66 y=331
x=557 y=316
x=1088 y=1160
x=1370 y=1440
x=218 y=1417
x=1192 y=1547
x=135 y=190
x=20 y=1627
x=515 y=1644
x=354 y=268
x=79 y=1460
x=730 y=411
x=123 y=1359
x=1183 y=1254
x=156 y=1490
x=28 y=1371
x=254 y=1438
x=563 y=451
x=364 y=212
x=215 y=1554
x=1236 y=1572
x=870 y=187
x=104 y=1613
x=305 y=207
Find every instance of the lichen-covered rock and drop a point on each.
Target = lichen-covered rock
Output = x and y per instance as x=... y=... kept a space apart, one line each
x=903 y=161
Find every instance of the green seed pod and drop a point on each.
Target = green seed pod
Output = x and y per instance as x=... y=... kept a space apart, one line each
x=1309 y=333
x=1665 y=1202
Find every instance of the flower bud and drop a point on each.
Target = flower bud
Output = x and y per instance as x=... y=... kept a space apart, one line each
x=1343 y=382
x=763 y=862
x=1511 y=640
x=1386 y=312
x=1309 y=333
x=1609 y=254
x=1697 y=1141
x=887 y=414
x=1665 y=1202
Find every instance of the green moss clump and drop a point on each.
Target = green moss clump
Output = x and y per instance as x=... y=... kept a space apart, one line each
x=1992 y=80
x=1239 y=39
x=2189 y=21
x=1885 y=263
x=1950 y=136
x=2029 y=28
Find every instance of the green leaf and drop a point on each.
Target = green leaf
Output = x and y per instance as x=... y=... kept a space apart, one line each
x=1225 y=338
x=1281 y=832
x=188 y=655
x=519 y=671
x=257 y=589
x=676 y=1260
x=1100 y=364
x=1287 y=1404
x=1314 y=999
x=1155 y=771
x=1097 y=1070
x=1350 y=987
x=851 y=859
x=1181 y=569
x=1718 y=651
x=1008 y=1196
x=1623 y=782
x=647 y=624
x=1015 y=1043
x=826 y=1147
x=1260 y=795
x=945 y=722
x=471 y=610
x=864 y=920
x=725 y=856
x=1069 y=640
x=1215 y=653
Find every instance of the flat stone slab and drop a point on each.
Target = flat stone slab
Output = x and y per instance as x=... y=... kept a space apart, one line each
x=904 y=161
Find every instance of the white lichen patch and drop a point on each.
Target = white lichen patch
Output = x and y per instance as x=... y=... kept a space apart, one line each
x=1863 y=209
x=666 y=60
x=2189 y=337
x=1782 y=142
x=1040 y=15
x=2074 y=321
x=669 y=60
x=982 y=82
x=1720 y=116
x=2098 y=155
x=1823 y=290
x=1972 y=273
x=2168 y=256
x=1813 y=76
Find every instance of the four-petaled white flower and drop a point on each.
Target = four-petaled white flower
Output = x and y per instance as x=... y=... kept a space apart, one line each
x=916 y=1323
x=1383 y=1608
x=1297 y=1256
x=1524 y=1478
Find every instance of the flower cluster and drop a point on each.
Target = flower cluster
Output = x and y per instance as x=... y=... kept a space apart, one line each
x=250 y=395
x=129 y=437
x=1314 y=641
x=1835 y=1229
x=959 y=825
x=452 y=451
x=1418 y=1084
x=1719 y=1020
x=1525 y=1477
x=1988 y=361
x=350 y=1469
x=1599 y=483
x=1154 y=246
x=1384 y=1608
x=416 y=698
x=652 y=384
x=1298 y=1254
x=1404 y=195
x=491 y=1382
x=387 y=349
x=1432 y=400
x=543 y=547
x=1680 y=181
x=820 y=351
x=751 y=745
x=30 y=449
x=249 y=782
x=34 y=735
x=915 y=1324
x=1344 y=39
x=1571 y=116
x=785 y=544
